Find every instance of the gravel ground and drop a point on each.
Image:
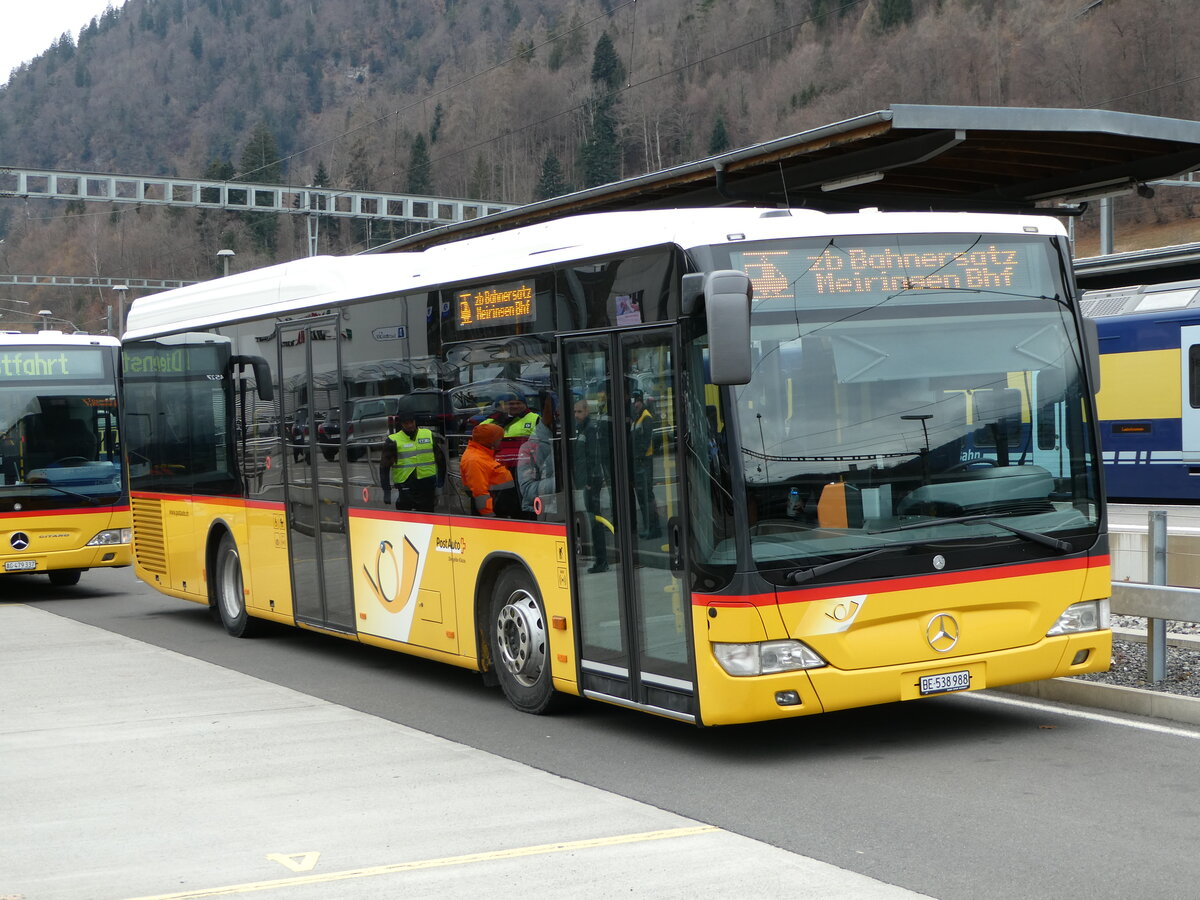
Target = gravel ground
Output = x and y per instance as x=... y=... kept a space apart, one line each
x=1129 y=661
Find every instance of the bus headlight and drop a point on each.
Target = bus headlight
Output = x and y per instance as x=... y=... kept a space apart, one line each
x=112 y=536
x=766 y=657
x=1091 y=615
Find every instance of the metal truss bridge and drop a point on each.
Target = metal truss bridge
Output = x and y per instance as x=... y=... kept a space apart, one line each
x=234 y=196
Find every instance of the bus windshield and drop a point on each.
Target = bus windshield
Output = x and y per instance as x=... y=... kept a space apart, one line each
x=909 y=393
x=58 y=429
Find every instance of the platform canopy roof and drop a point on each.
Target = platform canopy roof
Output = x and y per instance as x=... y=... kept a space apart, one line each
x=905 y=157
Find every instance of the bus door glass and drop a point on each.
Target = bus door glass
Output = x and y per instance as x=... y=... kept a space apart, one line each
x=1189 y=353
x=626 y=522
x=314 y=487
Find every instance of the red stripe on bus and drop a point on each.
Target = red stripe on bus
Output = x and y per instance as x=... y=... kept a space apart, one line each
x=916 y=582
x=75 y=511
x=204 y=498
x=518 y=526
x=265 y=504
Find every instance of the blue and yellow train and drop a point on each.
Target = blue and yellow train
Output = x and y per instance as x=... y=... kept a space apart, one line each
x=1149 y=400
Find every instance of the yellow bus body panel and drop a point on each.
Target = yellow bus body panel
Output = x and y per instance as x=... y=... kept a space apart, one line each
x=415 y=580
x=877 y=646
x=58 y=539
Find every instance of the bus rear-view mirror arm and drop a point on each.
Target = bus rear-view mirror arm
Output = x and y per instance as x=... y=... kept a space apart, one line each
x=262 y=374
x=726 y=296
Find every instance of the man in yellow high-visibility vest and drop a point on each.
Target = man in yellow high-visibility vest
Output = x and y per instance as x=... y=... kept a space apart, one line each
x=415 y=464
x=518 y=425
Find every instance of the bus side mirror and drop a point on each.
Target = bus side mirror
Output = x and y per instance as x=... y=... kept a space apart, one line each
x=726 y=295
x=262 y=374
x=1091 y=351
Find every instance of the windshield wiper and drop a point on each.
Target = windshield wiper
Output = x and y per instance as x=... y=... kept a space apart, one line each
x=799 y=576
x=1037 y=537
x=95 y=501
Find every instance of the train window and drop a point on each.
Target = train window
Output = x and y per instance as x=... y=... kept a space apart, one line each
x=1194 y=376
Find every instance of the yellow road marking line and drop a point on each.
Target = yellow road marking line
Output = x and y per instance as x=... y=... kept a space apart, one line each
x=514 y=853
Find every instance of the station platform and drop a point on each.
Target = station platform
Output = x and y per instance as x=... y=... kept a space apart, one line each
x=131 y=771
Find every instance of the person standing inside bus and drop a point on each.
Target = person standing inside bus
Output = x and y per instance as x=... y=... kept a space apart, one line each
x=535 y=465
x=518 y=422
x=592 y=464
x=414 y=464
x=493 y=491
x=641 y=439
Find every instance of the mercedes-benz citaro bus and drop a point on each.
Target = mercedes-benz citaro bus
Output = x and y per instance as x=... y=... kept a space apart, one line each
x=760 y=463
x=64 y=505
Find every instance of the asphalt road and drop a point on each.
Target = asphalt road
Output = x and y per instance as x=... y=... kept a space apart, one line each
x=969 y=796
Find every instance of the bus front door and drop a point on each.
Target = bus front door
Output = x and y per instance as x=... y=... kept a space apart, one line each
x=626 y=522
x=315 y=497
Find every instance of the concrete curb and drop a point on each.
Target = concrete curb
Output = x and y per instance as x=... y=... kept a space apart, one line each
x=1115 y=698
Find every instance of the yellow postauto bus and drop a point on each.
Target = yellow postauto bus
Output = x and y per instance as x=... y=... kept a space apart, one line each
x=763 y=464
x=64 y=506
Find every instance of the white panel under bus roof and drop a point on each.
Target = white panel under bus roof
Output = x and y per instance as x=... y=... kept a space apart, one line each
x=58 y=338
x=323 y=281
x=311 y=283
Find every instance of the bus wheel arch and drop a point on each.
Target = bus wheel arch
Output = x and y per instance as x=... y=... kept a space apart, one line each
x=226 y=590
x=517 y=636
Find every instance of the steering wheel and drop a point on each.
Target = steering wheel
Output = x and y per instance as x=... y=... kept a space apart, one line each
x=968 y=464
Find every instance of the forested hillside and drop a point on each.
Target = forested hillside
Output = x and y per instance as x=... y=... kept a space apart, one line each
x=513 y=100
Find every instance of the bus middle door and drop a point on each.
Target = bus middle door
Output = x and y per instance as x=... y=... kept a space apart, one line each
x=315 y=490
x=626 y=521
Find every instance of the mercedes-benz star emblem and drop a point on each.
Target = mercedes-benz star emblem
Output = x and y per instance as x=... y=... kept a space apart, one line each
x=942 y=632
x=19 y=540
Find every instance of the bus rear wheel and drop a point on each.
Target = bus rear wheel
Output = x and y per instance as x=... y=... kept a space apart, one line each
x=520 y=646
x=64 y=577
x=230 y=593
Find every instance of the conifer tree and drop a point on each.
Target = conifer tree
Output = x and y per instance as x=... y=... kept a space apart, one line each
x=894 y=13
x=600 y=154
x=420 y=174
x=607 y=68
x=551 y=183
x=260 y=163
x=718 y=141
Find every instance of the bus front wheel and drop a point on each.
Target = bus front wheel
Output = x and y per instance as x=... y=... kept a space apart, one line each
x=519 y=643
x=64 y=577
x=230 y=593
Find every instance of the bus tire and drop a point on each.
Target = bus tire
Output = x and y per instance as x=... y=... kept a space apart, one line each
x=520 y=645
x=64 y=577
x=229 y=592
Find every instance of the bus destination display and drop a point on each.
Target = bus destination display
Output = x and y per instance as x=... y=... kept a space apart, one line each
x=503 y=304
x=51 y=362
x=847 y=269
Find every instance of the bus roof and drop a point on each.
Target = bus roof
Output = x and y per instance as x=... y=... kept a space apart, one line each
x=325 y=281
x=57 y=338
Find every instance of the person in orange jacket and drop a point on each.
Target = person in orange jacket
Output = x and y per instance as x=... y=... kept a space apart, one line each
x=490 y=482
